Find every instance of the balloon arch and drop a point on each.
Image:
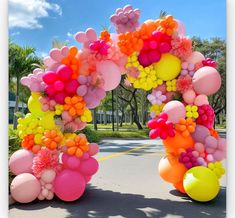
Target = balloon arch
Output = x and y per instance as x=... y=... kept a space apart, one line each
x=155 y=55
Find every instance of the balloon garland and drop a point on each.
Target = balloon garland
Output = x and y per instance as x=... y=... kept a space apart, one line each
x=156 y=56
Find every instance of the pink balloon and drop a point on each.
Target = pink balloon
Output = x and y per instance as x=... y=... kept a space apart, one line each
x=48 y=175
x=64 y=72
x=189 y=96
x=65 y=51
x=72 y=162
x=89 y=167
x=175 y=111
x=25 y=188
x=211 y=142
x=69 y=185
x=93 y=149
x=56 y=55
x=110 y=73
x=195 y=58
x=91 y=34
x=201 y=132
x=200 y=100
x=80 y=37
x=21 y=161
x=199 y=147
x=25 y=81
x=206 y=81
x=161 y=88
x=180 y=28
x=82 y=90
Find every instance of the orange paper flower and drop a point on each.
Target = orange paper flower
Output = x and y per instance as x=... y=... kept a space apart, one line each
x=72 y=61
x=167 y=25
x=185 y=126
x=51 y=139
x=105 y=36
x=74 y=105
x=77 y=146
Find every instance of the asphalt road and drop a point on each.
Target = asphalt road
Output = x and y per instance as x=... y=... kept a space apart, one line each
x=127 y=185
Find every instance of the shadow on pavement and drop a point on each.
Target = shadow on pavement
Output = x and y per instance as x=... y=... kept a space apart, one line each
x=104 y=203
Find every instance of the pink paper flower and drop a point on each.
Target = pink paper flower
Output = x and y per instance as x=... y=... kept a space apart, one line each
x=184 y=83
x=181 y=47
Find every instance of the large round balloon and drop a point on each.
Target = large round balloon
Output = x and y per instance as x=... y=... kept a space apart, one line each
x=200 y=133
x=201 y=184
x=195 y=57
x=206 y=81
x=175 y=111
x=21 y=161
x=34 y=105
x=168 y=67
x=110 y=74
x=69 y=185
x=171 y=170
x=25 y=188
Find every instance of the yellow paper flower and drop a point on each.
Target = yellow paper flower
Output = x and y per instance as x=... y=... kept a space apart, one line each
x=171 y=85
x=59 y=109
x=157 y=109
x=87 y=116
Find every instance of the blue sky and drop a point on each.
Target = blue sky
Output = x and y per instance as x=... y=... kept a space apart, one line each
x=37 y=22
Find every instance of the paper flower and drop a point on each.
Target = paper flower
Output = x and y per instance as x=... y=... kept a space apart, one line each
x=171 y=85
x=100 y=46
x=59 y=109
x=51 y=139
x=185 y=126
x=161 y=127
x=206 y=116
x=187 y=69
x=29 y=144
x=187 y=159
x=192 y=111
x=167 y=25
x=125 y=19
x=105 y=35
x=156 y=97
x=217 y=168
x=181 y=47
x=75 y=105
x=45 y=159
x=87 y=116
x=183 y=83
x=77 y=146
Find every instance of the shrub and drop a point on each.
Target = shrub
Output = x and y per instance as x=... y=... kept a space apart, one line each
x=92 y=135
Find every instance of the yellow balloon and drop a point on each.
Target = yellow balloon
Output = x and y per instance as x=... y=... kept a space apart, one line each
x=47 y=121
x=201 y=184
x=34 y=105
x=168 y=68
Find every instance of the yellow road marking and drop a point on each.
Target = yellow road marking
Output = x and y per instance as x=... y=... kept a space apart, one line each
x=121 y=153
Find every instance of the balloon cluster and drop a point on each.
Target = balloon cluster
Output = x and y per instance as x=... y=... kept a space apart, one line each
x=57 y=159
x=161 y=59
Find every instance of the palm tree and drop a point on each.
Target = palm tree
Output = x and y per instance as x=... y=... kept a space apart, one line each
x=21 y=63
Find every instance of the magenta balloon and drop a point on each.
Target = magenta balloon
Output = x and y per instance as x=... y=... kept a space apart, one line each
x=154 y=56
x=64 y=72
x=175 y=111
x=50 y=77
x=73 y=162
x=69 y=185
x=21 y=161
x=25 y=188
x=206 y=81
x=110 y=73
x=58 y=85
x=200 y=134
x=71 y=86
x=89 y=167
x=59 y=97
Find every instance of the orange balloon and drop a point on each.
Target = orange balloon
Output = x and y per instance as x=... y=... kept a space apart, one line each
x=171 y=170
x=179 y=186
x=176 y=144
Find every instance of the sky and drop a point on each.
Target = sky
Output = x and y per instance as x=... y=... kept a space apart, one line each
x=37 y=22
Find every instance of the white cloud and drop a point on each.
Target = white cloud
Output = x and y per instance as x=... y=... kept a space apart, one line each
x=69 y=34
x=26 y=13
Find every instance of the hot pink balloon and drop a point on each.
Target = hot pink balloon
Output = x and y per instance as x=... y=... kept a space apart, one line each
x=175 y=111
x=93 y=149
x=89 y=167
x=69 y=185
x=110 y=73
x=206 y=81
x=25 y=188
x=21 y=161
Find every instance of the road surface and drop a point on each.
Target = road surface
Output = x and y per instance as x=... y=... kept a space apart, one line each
x=127 y=185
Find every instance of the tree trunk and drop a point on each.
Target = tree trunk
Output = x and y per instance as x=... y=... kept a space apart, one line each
x=131 y=117
x=122 y=118
x=16 y=102
x=105 y=117
x=112 y=112
x=117 y=114
x=94 y=119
